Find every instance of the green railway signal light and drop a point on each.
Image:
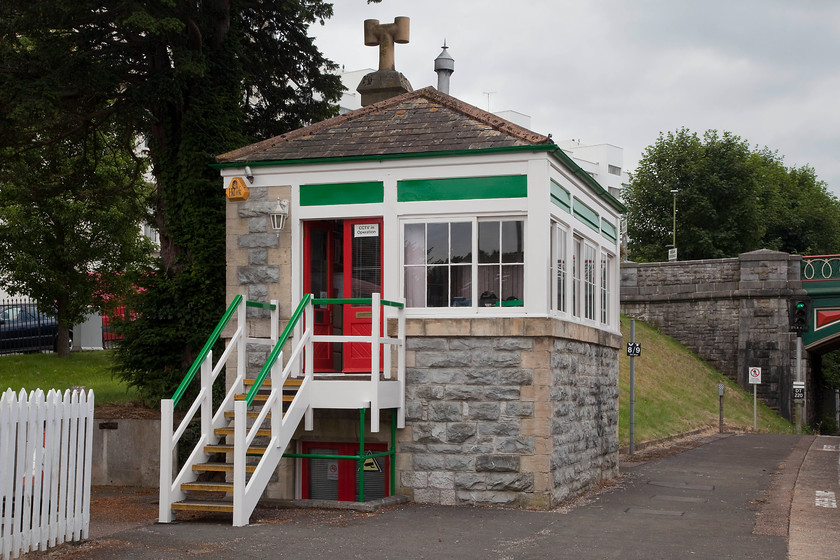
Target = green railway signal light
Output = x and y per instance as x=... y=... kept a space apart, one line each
x=800 y=310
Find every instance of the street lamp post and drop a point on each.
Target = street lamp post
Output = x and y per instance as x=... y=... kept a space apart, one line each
x=674 y=230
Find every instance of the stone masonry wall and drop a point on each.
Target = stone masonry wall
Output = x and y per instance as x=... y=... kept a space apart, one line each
x=518 y=412
x=732 y=312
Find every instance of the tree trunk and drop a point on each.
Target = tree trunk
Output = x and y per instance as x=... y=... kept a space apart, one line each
x=63 y=344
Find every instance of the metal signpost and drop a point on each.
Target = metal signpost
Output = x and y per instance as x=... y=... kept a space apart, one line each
x=798 y=399
x=755 y=381
x=634 y=350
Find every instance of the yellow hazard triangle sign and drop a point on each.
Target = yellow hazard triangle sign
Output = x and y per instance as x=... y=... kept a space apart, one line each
x=372 y=465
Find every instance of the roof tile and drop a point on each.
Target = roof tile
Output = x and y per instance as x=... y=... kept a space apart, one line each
x=420 y=121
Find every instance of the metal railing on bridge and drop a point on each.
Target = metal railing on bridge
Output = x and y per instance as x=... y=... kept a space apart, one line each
x=817 y=268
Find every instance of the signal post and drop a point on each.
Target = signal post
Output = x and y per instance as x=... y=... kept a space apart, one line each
x=800 y=314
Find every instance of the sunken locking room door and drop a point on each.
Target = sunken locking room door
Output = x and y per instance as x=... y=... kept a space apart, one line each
x=343 y=259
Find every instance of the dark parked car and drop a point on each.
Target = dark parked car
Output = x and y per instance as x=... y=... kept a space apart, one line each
x=25 y=329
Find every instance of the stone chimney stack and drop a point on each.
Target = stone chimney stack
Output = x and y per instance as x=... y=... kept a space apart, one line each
x=385 y=82
x=444 y=67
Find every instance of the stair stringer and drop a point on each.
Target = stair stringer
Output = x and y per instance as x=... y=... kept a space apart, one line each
x=246 y=496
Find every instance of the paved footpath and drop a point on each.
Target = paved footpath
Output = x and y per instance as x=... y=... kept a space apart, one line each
x=814 y=516
x=729 y=498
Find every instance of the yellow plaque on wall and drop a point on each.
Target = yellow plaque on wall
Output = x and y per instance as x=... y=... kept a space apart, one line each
x=237 y=190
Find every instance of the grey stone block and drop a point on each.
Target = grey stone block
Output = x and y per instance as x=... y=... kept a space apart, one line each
x=485 y=410
x=511 y=482
x=497 y=463
x=459 y=432
x=446 y=412
x=255 y=240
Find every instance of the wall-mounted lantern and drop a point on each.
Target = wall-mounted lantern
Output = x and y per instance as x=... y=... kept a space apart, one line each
x=279 y=215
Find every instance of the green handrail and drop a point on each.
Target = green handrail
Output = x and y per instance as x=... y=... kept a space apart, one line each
x=356 y=301
x=260 y=305
x=182 y=388
x=275 y=352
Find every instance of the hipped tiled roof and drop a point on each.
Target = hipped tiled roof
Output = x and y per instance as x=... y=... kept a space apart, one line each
x=420 y=121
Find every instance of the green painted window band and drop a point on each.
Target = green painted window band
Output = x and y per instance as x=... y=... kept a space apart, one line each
x=561 y=197
x=609 y=231
x=342 y=193
x=587 y=215
x=465 y=188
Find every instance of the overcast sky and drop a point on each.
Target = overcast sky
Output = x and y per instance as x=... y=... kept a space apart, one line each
x=622 y=71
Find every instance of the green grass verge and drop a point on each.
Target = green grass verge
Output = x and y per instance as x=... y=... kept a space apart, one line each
x=48 y=371
x=677 y=392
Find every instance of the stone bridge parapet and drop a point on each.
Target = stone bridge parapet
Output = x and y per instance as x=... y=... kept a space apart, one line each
x=732 y=312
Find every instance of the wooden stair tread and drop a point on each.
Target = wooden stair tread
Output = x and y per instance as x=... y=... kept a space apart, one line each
x=250 y=414
x=291 y=382
x=220 y=467
x=207 y=487
x=222 y=448
x=204 y=505
x=262 y=397
x=229 y=432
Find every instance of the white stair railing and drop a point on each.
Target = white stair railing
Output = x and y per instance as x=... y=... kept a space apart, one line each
x=283 y=425
x=170 y=489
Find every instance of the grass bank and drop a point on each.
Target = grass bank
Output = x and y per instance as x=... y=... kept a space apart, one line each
x=48 y=371
x=677 y=392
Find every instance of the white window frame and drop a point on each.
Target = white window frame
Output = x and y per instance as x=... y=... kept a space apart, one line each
x=559 y=274
x=474 y=265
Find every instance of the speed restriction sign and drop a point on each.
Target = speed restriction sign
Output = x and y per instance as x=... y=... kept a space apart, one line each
x=755 y=376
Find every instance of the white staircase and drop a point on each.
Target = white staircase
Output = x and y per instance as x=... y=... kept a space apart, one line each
x=272 y=408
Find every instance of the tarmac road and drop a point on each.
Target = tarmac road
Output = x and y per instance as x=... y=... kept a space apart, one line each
x=728 y=498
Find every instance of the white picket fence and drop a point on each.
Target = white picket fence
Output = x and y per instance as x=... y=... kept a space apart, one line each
x=45 y=468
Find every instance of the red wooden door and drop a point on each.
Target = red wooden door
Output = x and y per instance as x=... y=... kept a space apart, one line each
x=363 y=277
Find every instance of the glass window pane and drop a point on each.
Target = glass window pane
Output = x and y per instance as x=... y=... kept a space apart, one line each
x=437 y=243
x=415 y=286
x=366 y=279
x=415 y=243
x=488 y=242
x=513 y=242
x=318 y=266
x=437 y=286
x=461 y=286
x=513 y=285
x=589 y=281
x=461 y=239
x=560 y=269
x=488 y=286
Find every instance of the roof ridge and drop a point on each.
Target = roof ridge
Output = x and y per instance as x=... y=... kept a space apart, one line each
x=497 y=122
x=494 y=121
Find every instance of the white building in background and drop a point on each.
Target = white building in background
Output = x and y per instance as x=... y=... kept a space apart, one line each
x=351 y=99
x=604 y=162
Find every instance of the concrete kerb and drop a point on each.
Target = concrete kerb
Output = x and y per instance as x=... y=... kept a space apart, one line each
x=625 y=450
x=364 y=507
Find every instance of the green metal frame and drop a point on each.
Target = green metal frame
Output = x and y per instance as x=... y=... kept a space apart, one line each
x=360 y=458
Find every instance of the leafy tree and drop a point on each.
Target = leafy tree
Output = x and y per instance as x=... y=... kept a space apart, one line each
x=730 y=200
x=800 y=215
x=831 y=369
x=70 y=216
x=194 y=79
